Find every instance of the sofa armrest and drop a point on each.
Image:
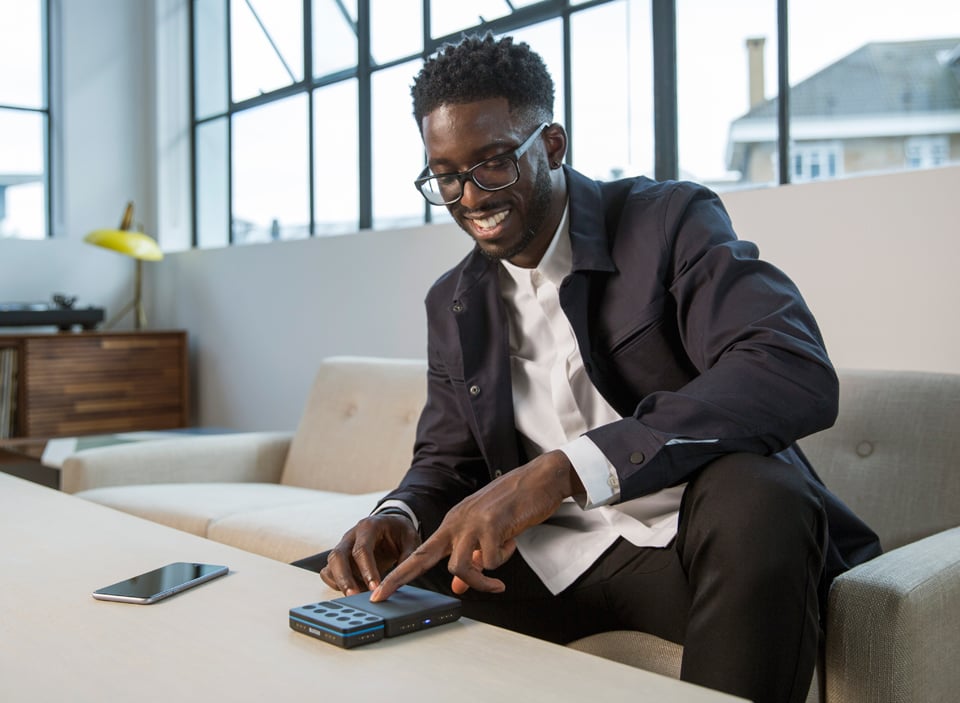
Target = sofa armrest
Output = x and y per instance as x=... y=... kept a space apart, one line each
x=893 y=625
x=242 y=457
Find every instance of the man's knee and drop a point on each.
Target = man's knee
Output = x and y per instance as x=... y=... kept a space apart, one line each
x=752 y=499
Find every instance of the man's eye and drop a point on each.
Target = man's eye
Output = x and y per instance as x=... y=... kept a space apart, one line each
x=499 y=163
x=446 y=181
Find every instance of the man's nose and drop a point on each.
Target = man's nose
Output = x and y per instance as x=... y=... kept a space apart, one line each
x=473 y=195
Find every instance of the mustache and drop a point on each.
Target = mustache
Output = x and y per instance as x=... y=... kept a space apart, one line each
x=460 y=211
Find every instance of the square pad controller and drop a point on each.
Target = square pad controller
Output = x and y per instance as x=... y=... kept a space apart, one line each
x=353 y=620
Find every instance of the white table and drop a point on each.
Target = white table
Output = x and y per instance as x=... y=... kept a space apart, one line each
x=228 y=640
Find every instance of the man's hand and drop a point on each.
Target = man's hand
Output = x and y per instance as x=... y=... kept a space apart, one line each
x=373 y=546
x=478 y=533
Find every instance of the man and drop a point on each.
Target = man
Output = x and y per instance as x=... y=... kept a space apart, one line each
x=615 y=344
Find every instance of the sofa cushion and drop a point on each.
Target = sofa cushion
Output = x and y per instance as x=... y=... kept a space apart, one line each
x=291 y=532
x=357 y=431
x=192 y=507
x=891 y=456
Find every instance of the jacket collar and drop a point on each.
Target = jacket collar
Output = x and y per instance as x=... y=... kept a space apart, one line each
x=588 y=236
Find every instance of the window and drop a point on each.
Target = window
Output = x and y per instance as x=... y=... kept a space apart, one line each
x=926 y=152
x=309 y=133
x=24 y=120
x=301 y=108
x=812 y=161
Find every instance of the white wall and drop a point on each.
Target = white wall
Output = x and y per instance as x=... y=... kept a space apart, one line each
x=874 y=257
x=260 y=317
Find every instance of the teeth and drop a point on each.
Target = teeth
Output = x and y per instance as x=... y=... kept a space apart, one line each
x=490 y=222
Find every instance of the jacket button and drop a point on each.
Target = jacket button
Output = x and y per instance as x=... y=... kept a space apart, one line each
x=498 y=473
x=636 y=457
x=457 y=307
x=474 y=390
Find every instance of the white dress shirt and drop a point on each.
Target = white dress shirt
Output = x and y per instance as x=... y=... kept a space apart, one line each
x=555 y=403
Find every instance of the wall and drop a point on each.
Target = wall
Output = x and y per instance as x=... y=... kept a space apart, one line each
x=874 y=257
x=261 y=317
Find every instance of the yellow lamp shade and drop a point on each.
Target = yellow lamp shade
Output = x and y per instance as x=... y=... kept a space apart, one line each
x=135 y=244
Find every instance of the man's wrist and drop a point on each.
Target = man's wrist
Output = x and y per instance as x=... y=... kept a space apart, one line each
x=393 y=511
x=398 y=507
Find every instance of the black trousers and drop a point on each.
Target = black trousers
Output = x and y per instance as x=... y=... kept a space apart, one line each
x=737 y=587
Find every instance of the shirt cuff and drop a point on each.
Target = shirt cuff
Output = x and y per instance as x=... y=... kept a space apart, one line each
x=598 y=476
x=403 y=507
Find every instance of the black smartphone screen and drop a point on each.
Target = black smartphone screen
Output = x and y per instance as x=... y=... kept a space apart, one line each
x=160 y=583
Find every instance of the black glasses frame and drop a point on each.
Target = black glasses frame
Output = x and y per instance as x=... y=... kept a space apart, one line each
x=468 y=175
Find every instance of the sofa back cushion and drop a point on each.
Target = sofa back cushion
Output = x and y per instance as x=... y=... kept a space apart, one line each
x=357 y=431
x=894 y=454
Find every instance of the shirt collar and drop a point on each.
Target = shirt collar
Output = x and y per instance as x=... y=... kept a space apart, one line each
x=557 y=260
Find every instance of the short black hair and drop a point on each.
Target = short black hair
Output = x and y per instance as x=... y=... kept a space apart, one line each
x=480 y=68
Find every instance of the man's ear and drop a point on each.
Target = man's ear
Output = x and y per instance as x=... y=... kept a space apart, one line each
x=555 y=137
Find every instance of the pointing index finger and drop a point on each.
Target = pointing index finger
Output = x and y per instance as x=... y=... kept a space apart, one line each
x=421 y=561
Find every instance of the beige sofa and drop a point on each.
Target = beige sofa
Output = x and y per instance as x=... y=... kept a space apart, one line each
x=893 y=456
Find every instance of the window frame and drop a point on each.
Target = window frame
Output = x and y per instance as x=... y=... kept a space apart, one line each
x=666 y=138
x=46 y=112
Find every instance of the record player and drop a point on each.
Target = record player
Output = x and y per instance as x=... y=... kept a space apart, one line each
x=59 y=313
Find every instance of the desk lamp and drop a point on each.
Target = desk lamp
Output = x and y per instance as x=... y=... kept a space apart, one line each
x=134 y=244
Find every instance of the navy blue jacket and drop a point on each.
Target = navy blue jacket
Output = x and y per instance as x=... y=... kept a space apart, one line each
x=683 y=330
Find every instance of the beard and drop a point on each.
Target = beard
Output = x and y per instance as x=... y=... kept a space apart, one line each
x=536 y=216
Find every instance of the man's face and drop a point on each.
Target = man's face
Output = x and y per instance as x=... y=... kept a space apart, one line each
x=518 y=222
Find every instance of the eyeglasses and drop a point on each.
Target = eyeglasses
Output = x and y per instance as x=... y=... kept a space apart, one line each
x=496 y=173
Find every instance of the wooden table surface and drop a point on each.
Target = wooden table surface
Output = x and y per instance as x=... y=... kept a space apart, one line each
x=228 y=640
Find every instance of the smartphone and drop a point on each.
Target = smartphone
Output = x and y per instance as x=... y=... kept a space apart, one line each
x=353 y=620
x=160 y=583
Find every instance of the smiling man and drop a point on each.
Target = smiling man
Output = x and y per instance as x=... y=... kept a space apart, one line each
x=615 y=387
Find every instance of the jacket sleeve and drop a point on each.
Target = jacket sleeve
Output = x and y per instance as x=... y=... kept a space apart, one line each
x=762 y=375
x=447 y=463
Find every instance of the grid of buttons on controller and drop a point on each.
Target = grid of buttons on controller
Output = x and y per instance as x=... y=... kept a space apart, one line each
x=343 y=615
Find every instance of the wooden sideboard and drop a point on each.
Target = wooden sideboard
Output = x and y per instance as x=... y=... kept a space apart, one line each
x=77 y=383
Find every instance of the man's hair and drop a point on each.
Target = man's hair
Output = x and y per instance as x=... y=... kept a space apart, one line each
x=479 y=68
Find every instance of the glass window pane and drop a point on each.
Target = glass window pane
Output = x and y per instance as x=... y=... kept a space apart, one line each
x=334 y=36
x=336 y=160
x=714 y=75
x=449 y=16
x=266 y=39
x=21 y=53
x=397 y=149
x=22 y=178
x=210 y=56
x=396 y=29
x=612 y=121
x=213 y=206
x=874 y=91
x=270 y=176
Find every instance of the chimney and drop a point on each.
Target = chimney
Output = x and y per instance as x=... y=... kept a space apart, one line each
x=755 y=67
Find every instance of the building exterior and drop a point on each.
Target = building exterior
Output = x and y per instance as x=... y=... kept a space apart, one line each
x=886 y=106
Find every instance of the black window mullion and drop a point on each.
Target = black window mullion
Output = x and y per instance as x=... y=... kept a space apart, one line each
x=665 y=140
x=48 y=96
x=365 y=127
x=195 y=125
x=427 y=32
x=568 y=84
x=229 y=117
x=783 y=93
x=308 y=79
